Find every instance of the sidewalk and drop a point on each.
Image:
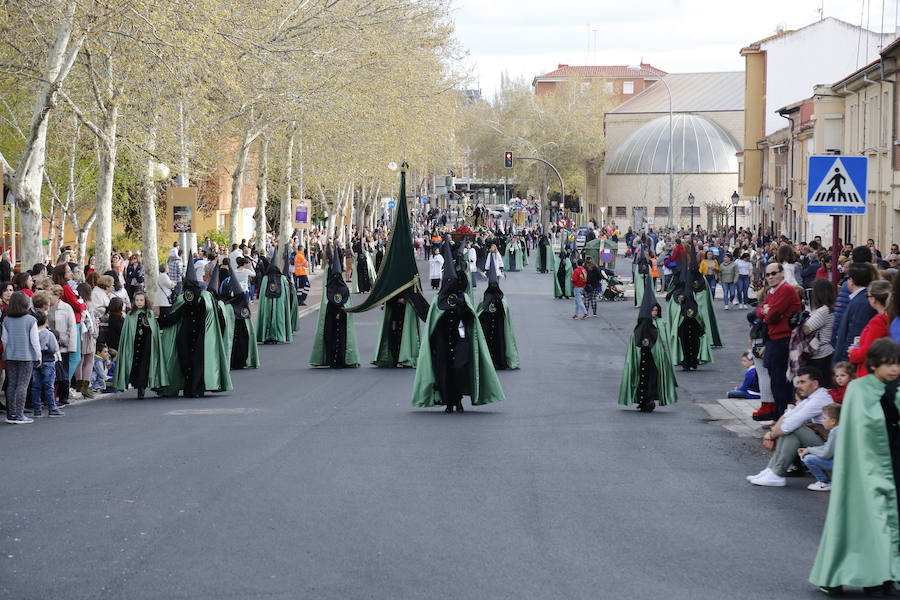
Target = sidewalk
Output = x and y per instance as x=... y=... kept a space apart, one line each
x=735 y=415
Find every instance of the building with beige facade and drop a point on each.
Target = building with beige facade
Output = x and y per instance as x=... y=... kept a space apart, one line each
x=631 y=180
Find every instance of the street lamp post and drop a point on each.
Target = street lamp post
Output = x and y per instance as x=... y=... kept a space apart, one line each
x=671 y=141
x=691 y=202
x=734 y=200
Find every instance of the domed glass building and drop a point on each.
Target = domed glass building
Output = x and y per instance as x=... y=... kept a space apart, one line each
x=700 y=146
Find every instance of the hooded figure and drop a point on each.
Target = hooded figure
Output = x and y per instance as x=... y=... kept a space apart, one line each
x=335 y=344
x=562 y=281
x=398 y=338
x=707 y=312
x=244 y=352
x=689 y=341
x=643 y=278
x=455 y=360
x=513 y=257
x=273 y=318
x=493 y=314
x=193 y=351
x=224 y=316
x=139 y=361
x=293 y=298
x=363 y=276
x=648 y=378
x=543 y=261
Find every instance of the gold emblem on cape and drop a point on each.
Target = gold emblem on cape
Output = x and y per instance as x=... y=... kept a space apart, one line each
x=690 y=312
x=245 y=313
x=338 y=298
x=142 y=320
x=452 y=299
x=492 y=307
x=679 y=299
x=645 y=342
x=272 y=286
x=189 y=295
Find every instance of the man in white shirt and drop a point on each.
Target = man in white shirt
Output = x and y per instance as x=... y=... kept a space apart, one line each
x=472 y=257
x=791 y=431
x=233 y=255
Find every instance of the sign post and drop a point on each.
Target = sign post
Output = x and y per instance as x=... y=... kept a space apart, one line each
x=837 y=186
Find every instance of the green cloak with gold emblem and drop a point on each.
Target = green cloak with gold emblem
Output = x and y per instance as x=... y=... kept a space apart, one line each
x=129 y=342
x=648 y=378
x=335 y=343
x=398 y=336
x=451 y=364
x=688 y=337
x=708 y=314
x=562 y=271
x=274 y=323
x=496 y=324
x=243 y=351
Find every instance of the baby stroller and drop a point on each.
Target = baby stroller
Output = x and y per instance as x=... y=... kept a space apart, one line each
x=613 y=285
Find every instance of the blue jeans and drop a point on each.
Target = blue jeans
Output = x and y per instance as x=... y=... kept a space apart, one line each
x=44 y=377
x=743 y=286
x=579 y=301
x=728 y=290
x=818 y=466
x=711 y=280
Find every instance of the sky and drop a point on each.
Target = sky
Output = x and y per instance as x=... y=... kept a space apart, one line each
x=525 y=38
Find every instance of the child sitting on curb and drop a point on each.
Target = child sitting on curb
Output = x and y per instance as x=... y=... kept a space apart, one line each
x=750 y=387
x=820 y=459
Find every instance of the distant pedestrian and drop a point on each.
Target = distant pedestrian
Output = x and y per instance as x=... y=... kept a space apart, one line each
x=45 y=373
x=579 y=280
x=22 y=351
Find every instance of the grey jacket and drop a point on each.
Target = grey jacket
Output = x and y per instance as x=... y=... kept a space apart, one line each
x=728 y=273
x=826 y=450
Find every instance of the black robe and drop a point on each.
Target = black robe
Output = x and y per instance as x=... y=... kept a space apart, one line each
x=140 y=362
x=189 y=342
x=451 y=354
x=240 y=347
x=362 y=270
x=493 y=323
x=335 y=336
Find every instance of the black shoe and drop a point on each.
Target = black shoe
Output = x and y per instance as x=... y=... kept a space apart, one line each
x=56 y=413
x=831 y=591
x=459 y=408
x=63 y=402
x=449 y=408
x=140 y=393
x=770 y=416
x=37 y=415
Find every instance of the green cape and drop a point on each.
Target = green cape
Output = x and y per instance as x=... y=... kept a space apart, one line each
x=293 y=306
x=859 y=545
x=409 y=340
x=557 y=291
x=273 y=318
x=708 y=314
x=518 y=259
x=673 y=344
x=252 y=361
x=509 y=336
x=158 y=376
x=351 y=355
x=482 y=384
x=216 y=376
x=228 y=332
x=628 y=387
x=524 y=253
x=640 y=283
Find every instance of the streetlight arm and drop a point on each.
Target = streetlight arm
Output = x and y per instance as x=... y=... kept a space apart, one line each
x=562 y=189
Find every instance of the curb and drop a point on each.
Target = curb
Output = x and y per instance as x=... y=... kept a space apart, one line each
x=735 y=415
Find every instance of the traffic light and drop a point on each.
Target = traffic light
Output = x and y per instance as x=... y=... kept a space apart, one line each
x=507 y=160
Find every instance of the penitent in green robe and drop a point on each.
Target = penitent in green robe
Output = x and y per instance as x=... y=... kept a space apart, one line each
x=673 y=344
x=708 y=314
x=513 y=262
x=409 y=340
x=666 y=381
x=351 y=355
x=558 y=291
x=228 y=332
x=641 y=282
x=509 y=336
x=482 y=385
x=860 y=541
x=294 y=306
x=216 y=376
x=370 y=267
x=158 y=377
x=273 y=319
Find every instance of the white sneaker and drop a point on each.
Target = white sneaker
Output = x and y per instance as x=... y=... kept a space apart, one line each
x=769 y=479
x=819 y=486
x=75 y=394
x=760 y=474
x=726 y=307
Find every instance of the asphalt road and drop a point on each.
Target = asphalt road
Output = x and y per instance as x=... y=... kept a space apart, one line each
x=327 y=484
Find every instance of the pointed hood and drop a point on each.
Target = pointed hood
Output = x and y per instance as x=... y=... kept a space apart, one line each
x=273 y=278
x=563 y=238
x=688 y=283
x=336 y=291
x=449 y=296
x=286 y=267
x=643 y=267
x=397 y=271
x=493 y=294
x=645 y=332
x=213 y=285
x=238 y=299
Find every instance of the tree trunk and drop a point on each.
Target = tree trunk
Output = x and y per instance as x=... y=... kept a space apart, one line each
x=237 y=186
x=81 y=241
x=61 y=230
x=262 y=196
x=285 y=226
x=26 y=181
x=148 y=220
x=105 y=173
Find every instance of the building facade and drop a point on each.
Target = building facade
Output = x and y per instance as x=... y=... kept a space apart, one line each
x=621 y=82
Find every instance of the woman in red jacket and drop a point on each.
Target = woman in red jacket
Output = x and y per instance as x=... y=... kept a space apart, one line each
x=61 y=276
x=878 y=293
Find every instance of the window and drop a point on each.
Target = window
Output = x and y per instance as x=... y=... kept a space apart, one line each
x=621 y=211
x=741 y=173
x=741 y=211
x=833 y=127
x=661 y=211
x=780 y=176
x=686 y=211
x=885 y=122
x=627 y=87
x=608 y=86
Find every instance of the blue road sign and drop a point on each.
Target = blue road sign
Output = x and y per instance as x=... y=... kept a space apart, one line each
x=837 y=185
x=392 y=204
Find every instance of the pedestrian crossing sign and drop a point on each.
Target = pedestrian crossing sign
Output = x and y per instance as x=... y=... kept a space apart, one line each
x=837 y=185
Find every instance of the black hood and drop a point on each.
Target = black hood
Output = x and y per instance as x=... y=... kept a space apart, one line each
x=286 y=268
x=238 y=299
x=452 y=288
x=543 y=241
x=645 y=332
x=213 y=285
x=273 y=278
x=336 y=290
x=688 y=283
x=493 y=294
x=563 y=238
x=643 y=267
